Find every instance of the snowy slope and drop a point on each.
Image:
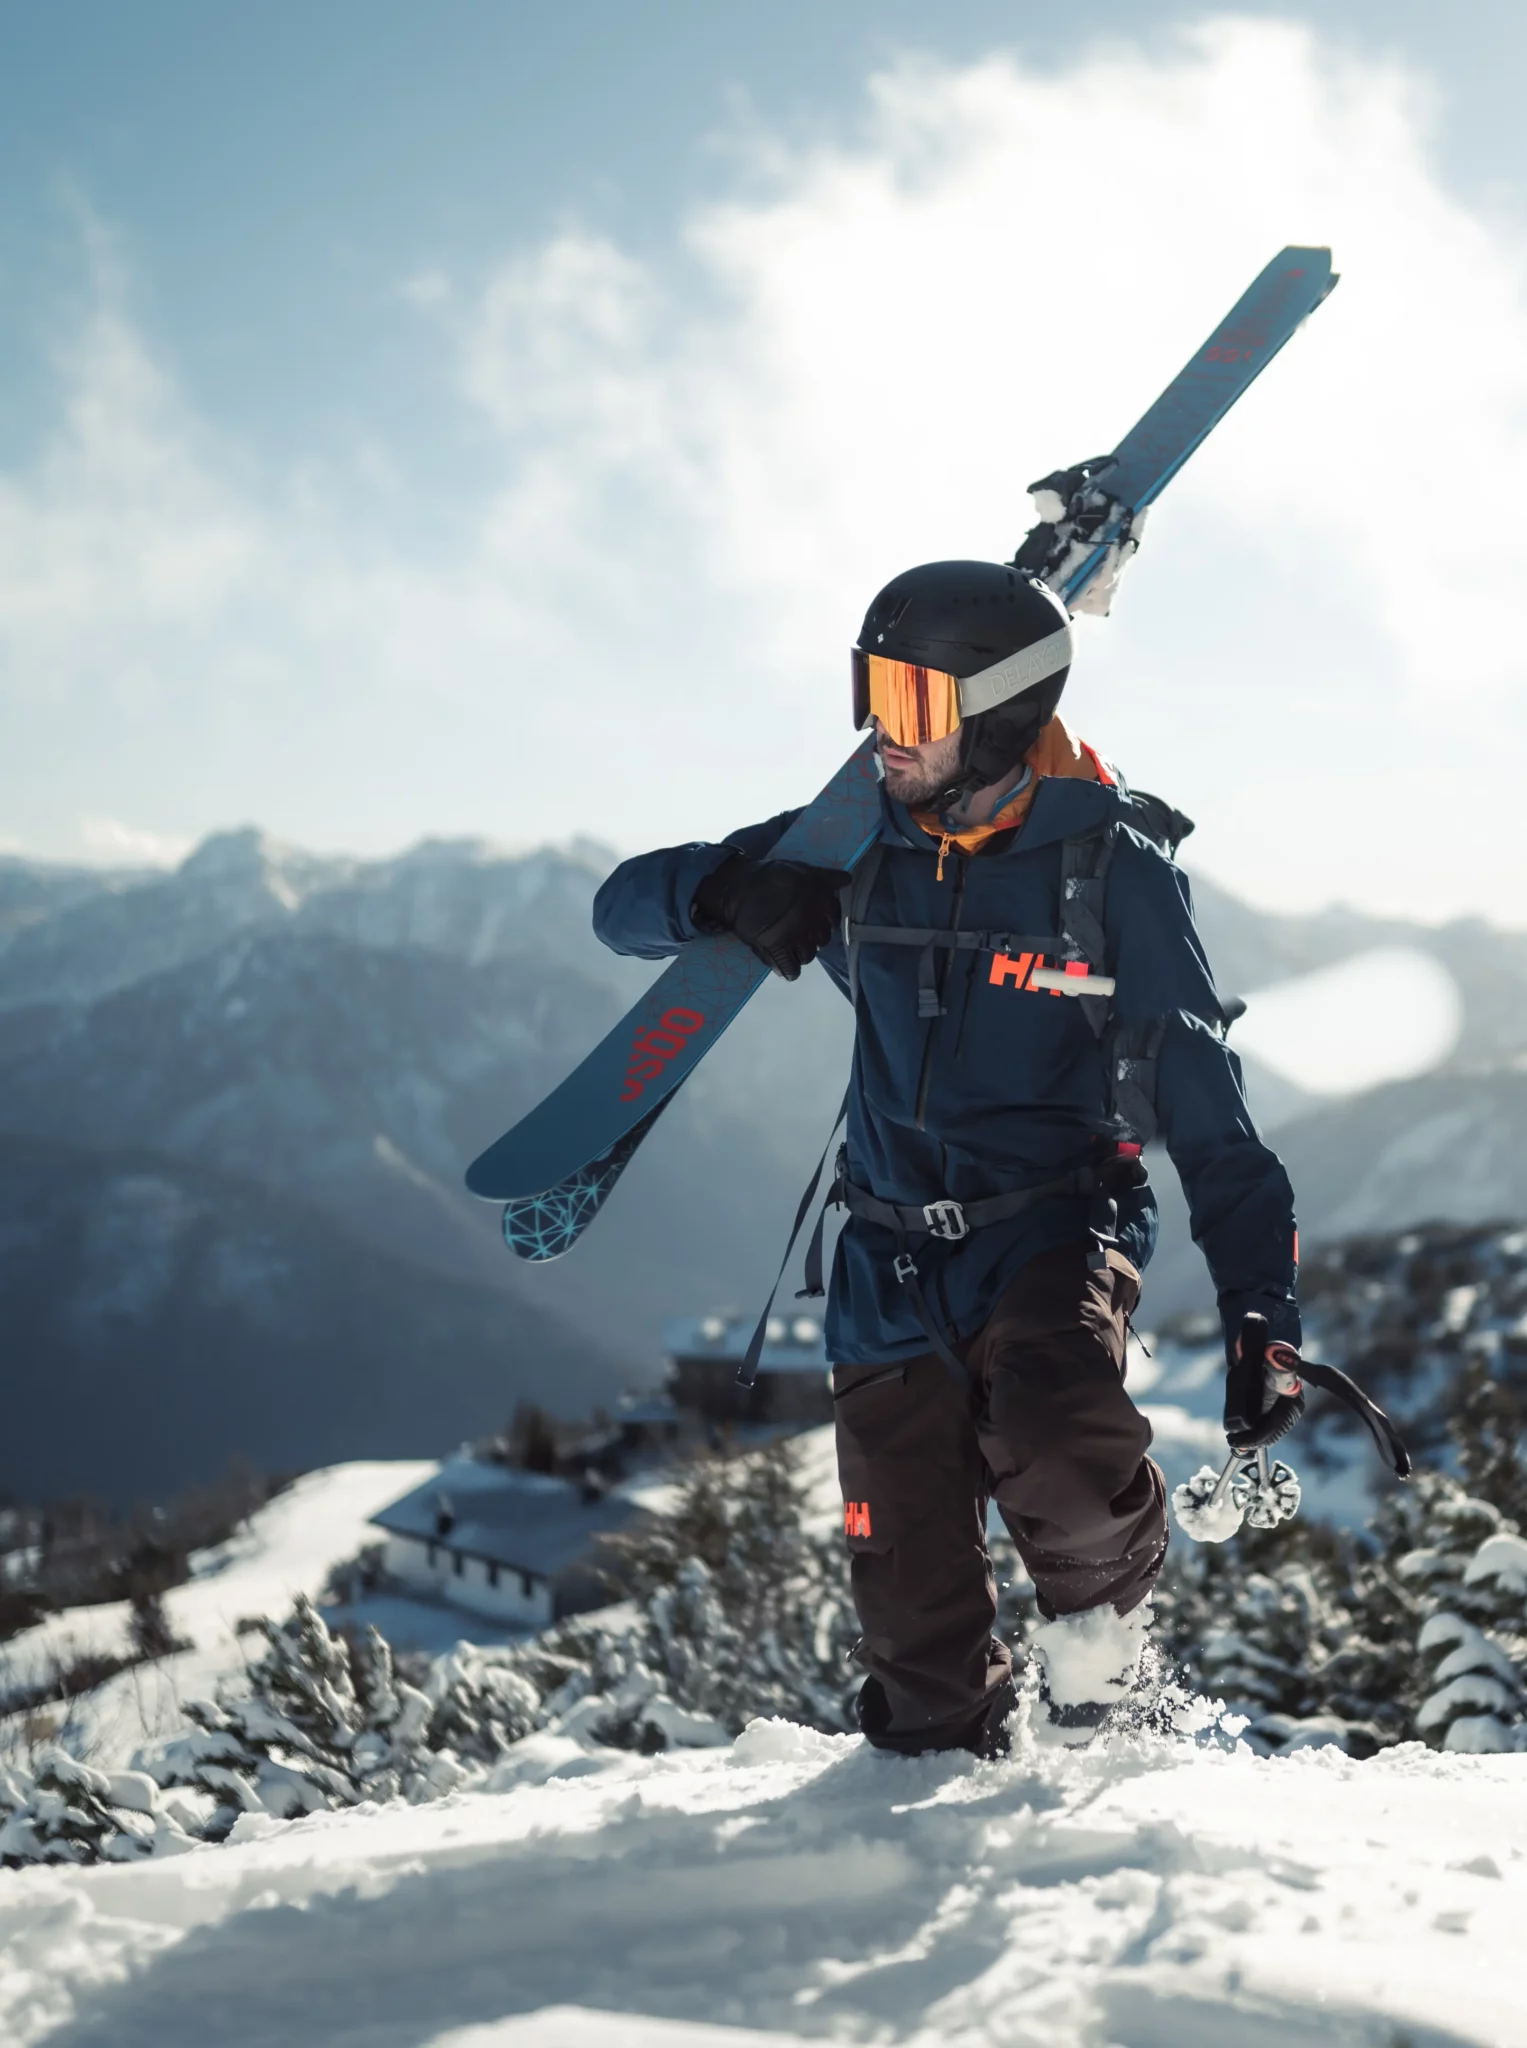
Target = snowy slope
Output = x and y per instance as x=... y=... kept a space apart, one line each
x=289 y=1547
x=799 y=1886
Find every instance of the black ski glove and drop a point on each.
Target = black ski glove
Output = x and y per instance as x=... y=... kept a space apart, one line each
x=782 y=910
x=1264 y=1396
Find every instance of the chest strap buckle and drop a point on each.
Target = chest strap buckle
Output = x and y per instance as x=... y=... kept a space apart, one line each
x=946 y=1219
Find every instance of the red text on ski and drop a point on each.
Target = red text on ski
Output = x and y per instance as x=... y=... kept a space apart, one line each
x=655 y=1045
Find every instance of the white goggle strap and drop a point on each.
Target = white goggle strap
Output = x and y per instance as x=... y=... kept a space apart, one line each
x=1016 y=673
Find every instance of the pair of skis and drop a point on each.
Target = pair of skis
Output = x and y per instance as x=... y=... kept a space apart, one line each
x=558 y=1166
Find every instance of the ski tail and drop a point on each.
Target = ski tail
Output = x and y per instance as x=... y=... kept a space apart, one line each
x=1090 y=514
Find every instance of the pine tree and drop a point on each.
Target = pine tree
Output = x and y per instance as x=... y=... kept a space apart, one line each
x=744 y=1611
x=63 y=1811
x=1284 y=1626
x=328 y=1723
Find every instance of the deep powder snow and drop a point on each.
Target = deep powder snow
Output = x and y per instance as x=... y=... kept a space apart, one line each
x=1153 y=1895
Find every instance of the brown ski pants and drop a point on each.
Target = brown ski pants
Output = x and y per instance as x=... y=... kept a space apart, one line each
x=1043 y=1427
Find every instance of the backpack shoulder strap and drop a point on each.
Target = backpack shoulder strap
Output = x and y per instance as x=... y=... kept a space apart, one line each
x=1130 y=1051
x=1084 y=864
x=1133 y=1051
x=855 y=899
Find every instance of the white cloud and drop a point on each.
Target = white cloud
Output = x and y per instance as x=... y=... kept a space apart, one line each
x=131 y=846
x=851 y=363
x=124 y=529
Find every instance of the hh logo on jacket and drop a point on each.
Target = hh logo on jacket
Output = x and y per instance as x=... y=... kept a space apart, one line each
x=1029 y=971
x=856 y=1518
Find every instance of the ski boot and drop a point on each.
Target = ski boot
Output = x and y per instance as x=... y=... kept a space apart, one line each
x=1089 y=1667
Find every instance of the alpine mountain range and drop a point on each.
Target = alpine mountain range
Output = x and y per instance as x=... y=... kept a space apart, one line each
x=236 y=1101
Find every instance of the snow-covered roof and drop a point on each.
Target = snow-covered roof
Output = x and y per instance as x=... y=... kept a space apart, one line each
x=525 y=1520
x=791 y=1343
x=645 y=1408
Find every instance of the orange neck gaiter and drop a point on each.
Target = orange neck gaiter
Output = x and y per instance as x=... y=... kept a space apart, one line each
x=1055 y=752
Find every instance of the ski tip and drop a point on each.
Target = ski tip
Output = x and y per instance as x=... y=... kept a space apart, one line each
x=1311 y=264
x=482 y=1181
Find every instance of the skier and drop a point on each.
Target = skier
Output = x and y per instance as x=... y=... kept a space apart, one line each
x=999 y=1217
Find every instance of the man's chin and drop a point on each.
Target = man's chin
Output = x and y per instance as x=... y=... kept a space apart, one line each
x=908 y=788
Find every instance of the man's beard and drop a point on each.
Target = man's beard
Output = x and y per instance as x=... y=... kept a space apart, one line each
x=917 y=785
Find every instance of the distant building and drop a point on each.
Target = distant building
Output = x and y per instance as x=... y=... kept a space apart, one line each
x=519 y=1548
x=791 y=1391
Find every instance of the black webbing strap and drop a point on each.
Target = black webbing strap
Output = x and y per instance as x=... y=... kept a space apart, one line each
x=1332 y=1380
x=1133 y=1051
x=904 y=1221
x=1050 y=945
x=747 y=1372
x=1047 y=945
x=856 y=901
x=813 y=1286
x=955 y=1220
x=950 y=1221
x=1084 y=864
x=930 y=1002
x=905 y=1268
x=1123 y=1171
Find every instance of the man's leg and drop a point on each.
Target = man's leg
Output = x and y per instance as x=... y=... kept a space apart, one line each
x=914 y=1514
x=1065 y=1444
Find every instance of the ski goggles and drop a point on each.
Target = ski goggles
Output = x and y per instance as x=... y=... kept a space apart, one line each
x=916 y=705
x=913 y=704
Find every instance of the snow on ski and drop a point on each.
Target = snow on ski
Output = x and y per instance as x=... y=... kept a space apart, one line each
x=556 y=1168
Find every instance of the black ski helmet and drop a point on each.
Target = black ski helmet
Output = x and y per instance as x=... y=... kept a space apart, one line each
x=969 y=619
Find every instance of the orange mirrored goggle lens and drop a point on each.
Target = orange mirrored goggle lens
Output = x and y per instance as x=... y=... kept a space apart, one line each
x=914 y=704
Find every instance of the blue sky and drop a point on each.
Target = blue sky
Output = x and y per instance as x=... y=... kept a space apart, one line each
x=458 y=420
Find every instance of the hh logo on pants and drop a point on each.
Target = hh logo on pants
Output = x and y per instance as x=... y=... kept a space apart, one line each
x=856 y=1518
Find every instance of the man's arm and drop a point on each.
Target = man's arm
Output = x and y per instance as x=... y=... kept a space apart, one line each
x=1239 y=1199
x=785 y=911
x=646 y=906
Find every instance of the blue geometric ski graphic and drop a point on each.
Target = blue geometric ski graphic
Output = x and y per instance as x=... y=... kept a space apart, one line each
x=572 y=1136
x=542 y=1227
x=557 y=1167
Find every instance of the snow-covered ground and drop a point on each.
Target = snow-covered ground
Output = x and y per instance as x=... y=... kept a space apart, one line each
x=801 y=1887
x=789 y=1887
x=289 y=1547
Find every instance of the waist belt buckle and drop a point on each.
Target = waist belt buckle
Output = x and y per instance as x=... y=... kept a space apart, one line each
x=946 y=1219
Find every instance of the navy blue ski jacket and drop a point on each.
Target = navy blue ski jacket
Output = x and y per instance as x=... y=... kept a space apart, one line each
x=1015 y=1083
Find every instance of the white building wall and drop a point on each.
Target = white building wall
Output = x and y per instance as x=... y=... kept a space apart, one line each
x=518 y=1600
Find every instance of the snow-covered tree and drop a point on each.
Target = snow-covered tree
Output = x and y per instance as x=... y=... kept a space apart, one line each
x=742 y=1610
x=1270 y=1625
x=1470 y=1579
x=323 y=1724
x=62 y=1811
